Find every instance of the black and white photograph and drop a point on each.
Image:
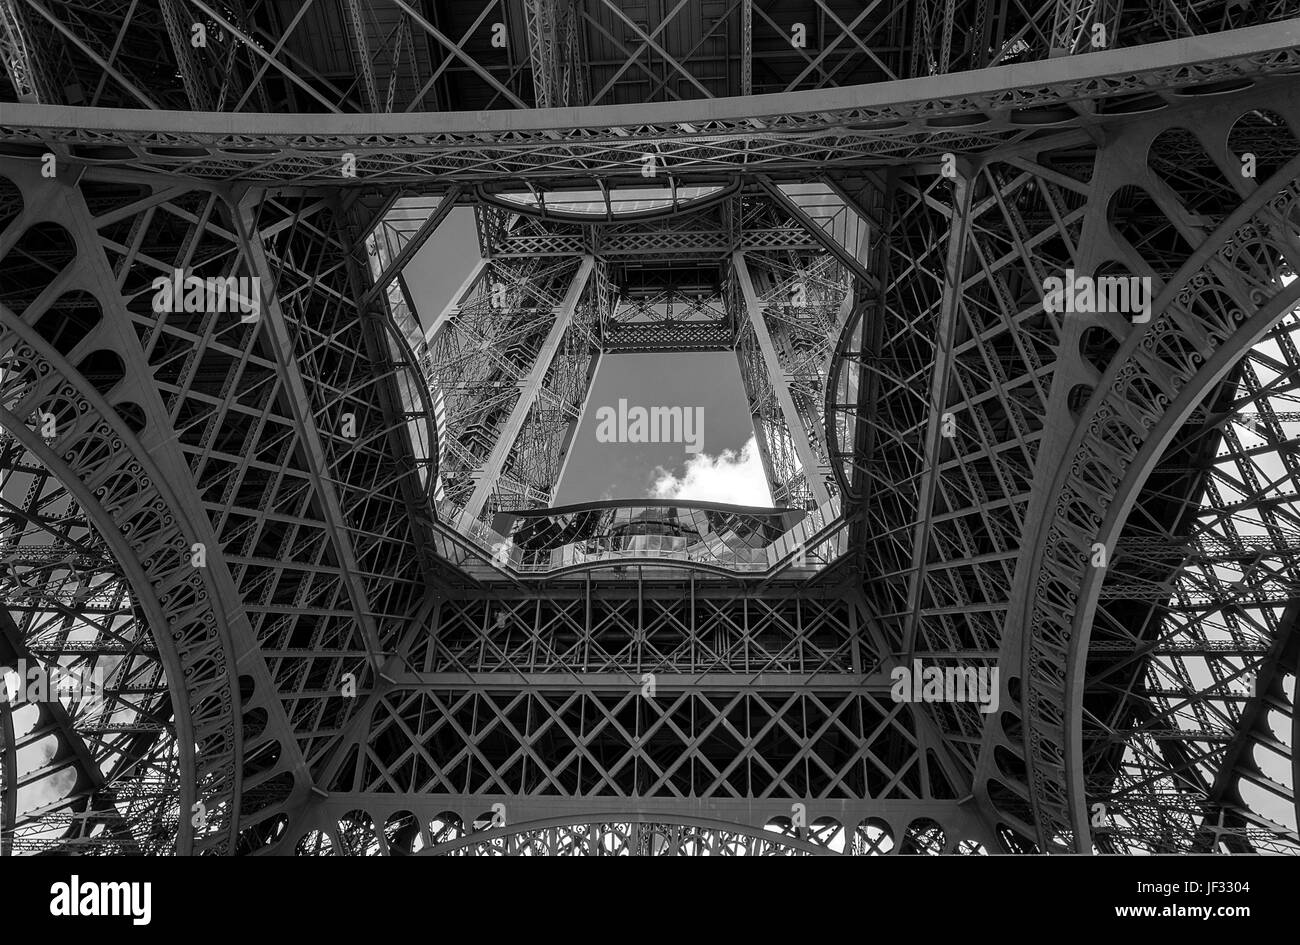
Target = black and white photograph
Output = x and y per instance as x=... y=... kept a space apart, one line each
x=649 y=428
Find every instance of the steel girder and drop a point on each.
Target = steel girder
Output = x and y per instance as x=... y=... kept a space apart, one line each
x=307 y=428
x=793 y=134
x=1233 y=274
x=477 y=54
x=1079 y=25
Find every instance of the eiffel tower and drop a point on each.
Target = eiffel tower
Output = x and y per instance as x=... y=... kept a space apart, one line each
x=293 y=531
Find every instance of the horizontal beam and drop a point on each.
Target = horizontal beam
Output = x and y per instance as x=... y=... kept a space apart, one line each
x=668 y=682
x=818 y=128
x=521 y=810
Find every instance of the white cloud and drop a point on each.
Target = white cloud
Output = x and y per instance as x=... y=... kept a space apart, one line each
x=735 y=478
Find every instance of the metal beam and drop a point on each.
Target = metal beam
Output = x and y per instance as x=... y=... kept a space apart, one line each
x=939 y=379
x=189 y=64
x=618 y=682
x=747 y=47
x=817 y=232
x=256 y=47
x=27 y=67
x=452 y=307
x=360 y=45
x=277 y=335
x=1074 y=20
x=813 y=472
x=255 y=83
x=487 y=475
x=8 y=778
x=649 y=40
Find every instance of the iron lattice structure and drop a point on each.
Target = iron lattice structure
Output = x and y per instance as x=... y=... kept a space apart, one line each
x=368 y=663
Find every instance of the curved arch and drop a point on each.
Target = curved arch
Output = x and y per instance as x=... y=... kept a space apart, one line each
x=357 y=834
x=403 y=834
x=873 y=836
x=144 y=532
x=1179 y=161
x=145 y=599
x=646 y=561
x=314 y=843
x=883 y=114
x=923 y=836
x=839 y=386
x=1140 y=427
x=682 y=820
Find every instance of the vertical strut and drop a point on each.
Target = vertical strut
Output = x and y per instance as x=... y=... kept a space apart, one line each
x=803 y=446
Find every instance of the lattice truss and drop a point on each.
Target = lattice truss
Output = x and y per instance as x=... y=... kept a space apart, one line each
x=558 y=721
x=947 y=514
x=1188 y=726
x=447 y=834
x=299 y=450
x=532 y=468
x=787 y=333
x=510 y=368
x=509 y=371
x=97 y=772
x=706 y=225
x=271 y=56
x=268 y=57
x=304 y=526
x=1192 y=677
x=507 y=234
x=626 y=638
x=943 y=534
x=670 y=320
x=600 y=744
x=390 y=245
